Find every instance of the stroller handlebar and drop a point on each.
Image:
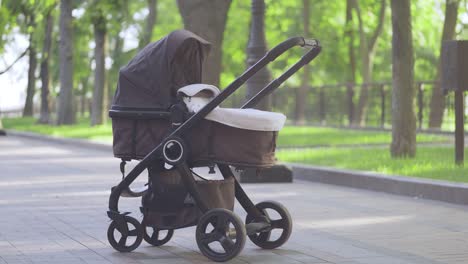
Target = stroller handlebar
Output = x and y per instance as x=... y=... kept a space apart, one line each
x=314 y=50
x=289 y=43
x=311 y=43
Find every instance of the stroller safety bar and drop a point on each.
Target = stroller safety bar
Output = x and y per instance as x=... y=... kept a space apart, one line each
x=140 y=115
x=270 y=56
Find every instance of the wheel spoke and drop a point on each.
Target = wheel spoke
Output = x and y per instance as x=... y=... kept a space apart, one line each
x=226 y=243
x=280 y=224
x=155 y=235
x=123 y=229
x=264 y=236
x=208 y=238
x=133 y=232
x=221 y=222
x=123 y=241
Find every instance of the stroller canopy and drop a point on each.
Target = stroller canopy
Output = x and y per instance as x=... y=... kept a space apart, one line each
x=151 y=79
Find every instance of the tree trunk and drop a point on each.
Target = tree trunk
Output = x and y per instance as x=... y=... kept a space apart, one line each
x=2 y=131
x=437 y=105
x=349 y=35
x=207 y=18
x=351 y=76
x=403 y=115
x=44 y=117
x=118 y=60
x=66 y=114
x=84 y=91
x=150 y=22
x=117 y=63
x=28 y=105
x=367 y=50
x=301 y=95
x=99 y=102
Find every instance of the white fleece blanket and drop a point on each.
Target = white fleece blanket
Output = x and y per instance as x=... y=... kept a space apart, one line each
x=250 y=119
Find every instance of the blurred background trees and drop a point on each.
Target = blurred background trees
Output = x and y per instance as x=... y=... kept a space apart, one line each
x=75 y=49
x=208 y=20
x=437 y=104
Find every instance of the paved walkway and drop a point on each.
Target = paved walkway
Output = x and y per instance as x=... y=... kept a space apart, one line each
x=53 y=203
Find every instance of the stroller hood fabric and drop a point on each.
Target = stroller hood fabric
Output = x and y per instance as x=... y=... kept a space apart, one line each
x=151 y=79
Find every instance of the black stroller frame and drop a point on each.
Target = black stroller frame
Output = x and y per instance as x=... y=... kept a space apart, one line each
x=259 y=222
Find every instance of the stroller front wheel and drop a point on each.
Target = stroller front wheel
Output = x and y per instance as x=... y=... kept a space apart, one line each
x=128 y=231
x=280 y=219
x=220 y=235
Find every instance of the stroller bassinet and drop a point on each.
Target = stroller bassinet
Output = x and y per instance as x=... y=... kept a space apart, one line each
x=150 y=83
x=162 y=114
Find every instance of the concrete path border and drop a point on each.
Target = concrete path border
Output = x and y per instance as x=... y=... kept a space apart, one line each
x=450 y=192
x=456 y=193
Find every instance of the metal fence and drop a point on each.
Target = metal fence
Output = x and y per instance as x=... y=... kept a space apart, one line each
x=327 y=105
x=11 y=113
x=336 y=105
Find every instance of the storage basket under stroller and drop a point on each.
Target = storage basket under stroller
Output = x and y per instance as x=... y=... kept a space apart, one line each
x=168 y=204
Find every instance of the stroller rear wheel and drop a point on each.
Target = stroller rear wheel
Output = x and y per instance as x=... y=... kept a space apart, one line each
x=220 y=234
x=155 y=237
x=130 y=238
x=281 y=221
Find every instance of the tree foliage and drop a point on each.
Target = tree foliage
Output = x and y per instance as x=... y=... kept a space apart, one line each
x=126 y=25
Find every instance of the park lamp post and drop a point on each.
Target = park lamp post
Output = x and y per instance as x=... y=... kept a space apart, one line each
x=256 y=49
x=2 y=131
x=454 y=61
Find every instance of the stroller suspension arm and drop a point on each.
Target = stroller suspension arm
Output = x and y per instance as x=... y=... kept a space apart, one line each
x=125 y=183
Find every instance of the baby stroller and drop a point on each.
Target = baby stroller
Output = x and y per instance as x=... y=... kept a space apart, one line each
x=163 y=117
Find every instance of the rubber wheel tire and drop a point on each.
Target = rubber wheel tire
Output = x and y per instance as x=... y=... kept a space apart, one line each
x=285 y=223
x=220 y=219
x=153 y=239
x=125 y=233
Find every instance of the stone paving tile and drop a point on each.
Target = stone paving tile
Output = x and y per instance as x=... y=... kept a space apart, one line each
x=385 y=260
x=298 y=256
x=16 y=259
x=54 y=202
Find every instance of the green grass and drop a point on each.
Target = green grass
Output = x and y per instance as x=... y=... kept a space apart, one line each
x=319 y=136
x=430 y=162
x=82 y=129
x=289 y=136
